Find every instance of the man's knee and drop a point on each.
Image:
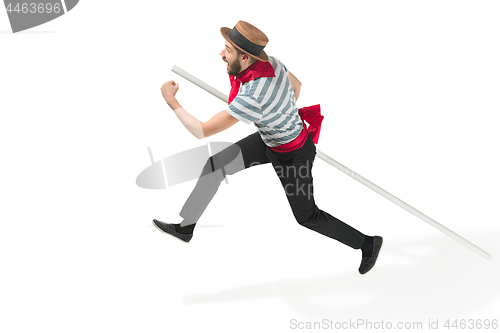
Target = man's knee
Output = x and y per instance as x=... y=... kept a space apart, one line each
x=303 y=218
x=209 y=166
x=307 y=216
x=230 y=160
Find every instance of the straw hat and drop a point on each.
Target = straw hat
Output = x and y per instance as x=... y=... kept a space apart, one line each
x=248 y=39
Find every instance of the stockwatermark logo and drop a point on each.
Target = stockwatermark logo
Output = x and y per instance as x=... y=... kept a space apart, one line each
x=190 y=164
x=25 y=15
x=227 y=159
x=217 y=160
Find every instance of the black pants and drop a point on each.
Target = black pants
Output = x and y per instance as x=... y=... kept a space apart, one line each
x=294 y=171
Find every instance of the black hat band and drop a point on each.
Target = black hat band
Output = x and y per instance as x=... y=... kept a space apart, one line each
x=244 y=43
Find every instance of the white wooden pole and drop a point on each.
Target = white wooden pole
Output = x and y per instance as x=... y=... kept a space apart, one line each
x=403 y=205
x=354 y=175
x=200 y=83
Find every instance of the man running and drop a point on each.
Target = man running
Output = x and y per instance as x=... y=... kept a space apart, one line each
x=263 y=92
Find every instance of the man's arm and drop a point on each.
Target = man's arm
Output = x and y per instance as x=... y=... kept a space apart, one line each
x=295 y=84
x=218 y=123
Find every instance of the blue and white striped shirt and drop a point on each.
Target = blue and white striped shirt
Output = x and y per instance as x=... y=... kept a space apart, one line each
x=269 y=102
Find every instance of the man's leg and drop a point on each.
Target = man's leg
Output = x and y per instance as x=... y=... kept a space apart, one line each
x=247 y=152
x=294 y=170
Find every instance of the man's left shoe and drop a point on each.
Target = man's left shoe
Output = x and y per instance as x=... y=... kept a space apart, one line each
x=169 y=228
x=367 y=263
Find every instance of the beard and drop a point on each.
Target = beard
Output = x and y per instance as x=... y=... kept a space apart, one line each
x=234 y=67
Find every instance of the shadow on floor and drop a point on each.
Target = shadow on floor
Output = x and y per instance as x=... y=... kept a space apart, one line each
x=439 y=279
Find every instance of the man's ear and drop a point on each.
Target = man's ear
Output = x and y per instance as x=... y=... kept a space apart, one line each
x=249 y=60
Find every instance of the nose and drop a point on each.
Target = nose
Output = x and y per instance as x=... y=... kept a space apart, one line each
x=222 y=53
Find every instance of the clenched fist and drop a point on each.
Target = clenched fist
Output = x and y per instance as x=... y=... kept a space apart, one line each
x=168 y=90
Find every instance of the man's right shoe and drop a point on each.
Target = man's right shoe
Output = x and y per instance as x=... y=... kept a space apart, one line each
x=367 y=263
x=169 y=228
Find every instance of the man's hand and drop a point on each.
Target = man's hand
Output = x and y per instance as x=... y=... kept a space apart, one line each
x=168 y=90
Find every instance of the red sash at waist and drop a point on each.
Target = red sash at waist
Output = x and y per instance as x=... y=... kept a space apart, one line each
x=294 y=144
x=312 y=115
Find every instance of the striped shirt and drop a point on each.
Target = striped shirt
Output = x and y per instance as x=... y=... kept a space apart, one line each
x=269 y=103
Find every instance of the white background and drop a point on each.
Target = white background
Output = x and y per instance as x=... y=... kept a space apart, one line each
x=410 y=95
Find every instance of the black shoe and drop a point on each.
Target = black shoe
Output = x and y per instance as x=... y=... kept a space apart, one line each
x=367 y=263
x=169 y=228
